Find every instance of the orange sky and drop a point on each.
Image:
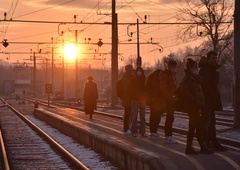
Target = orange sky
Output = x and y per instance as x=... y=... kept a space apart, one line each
x=93 y=11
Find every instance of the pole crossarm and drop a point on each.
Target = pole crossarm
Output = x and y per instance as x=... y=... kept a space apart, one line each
x=110 y=23
x=108 y=43
x=15 y=52
x=31 y=42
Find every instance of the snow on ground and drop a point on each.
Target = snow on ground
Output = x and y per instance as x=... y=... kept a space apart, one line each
x=90 y=158
x=85 y=155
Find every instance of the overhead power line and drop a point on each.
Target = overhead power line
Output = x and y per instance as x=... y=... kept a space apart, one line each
x=134 y=11
x=104 y=23
x=43 y=9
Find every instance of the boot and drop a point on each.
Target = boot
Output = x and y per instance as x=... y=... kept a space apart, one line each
x=190 y=151
x=218 y=147
x=205 y=149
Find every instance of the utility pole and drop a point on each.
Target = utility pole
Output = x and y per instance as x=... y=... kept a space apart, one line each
x=139 y=60
x=114 y=68
x=52 y=69
x=237 y=64
x=46 y=68
x=76 y=64
x=63 y=88
x=34 y=74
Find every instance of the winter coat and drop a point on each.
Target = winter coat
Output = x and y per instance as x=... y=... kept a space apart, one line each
x=137 y=89
x=168 y=86
x=209 y=78
x=90 y=96
x=126 y=99
x=192 y=94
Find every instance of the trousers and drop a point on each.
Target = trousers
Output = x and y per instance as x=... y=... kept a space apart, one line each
x=138 y=108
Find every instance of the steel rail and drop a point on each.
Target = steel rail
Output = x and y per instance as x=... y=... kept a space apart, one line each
x=219 y=121
x=78 y=164
x=4 y=153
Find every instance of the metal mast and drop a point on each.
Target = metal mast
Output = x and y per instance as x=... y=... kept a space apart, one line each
x=237 y=64
x=114 y=68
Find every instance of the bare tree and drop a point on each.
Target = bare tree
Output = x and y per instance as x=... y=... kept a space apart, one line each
x=211 y=19
x=132 y=60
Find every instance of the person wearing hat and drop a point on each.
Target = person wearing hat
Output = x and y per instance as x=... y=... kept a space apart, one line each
x=90 y=96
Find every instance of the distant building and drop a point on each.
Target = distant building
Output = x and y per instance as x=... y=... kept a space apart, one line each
x=22 y=85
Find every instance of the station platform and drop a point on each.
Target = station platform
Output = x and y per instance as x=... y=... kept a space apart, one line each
x=104 y=135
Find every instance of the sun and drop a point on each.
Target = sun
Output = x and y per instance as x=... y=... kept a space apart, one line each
x=70 y=51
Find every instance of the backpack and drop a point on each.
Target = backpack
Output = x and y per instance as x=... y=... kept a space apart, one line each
x=152 y=85
x=119 y=88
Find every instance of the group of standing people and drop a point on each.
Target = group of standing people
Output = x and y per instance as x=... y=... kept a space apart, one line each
x=199 y=94
x=135 y=97
x=200 y=99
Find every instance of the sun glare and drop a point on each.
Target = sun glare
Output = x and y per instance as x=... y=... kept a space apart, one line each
x=70 y=51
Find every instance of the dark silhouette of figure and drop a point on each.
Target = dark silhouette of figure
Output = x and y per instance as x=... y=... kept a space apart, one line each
x=126 y=98
x=138 y=93
x=193 y=102
x=90 y=96
x=153 y=90
x=168 y=86
x=209 y=77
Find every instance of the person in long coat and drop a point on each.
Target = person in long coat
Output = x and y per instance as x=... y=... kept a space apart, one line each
x=193 y=102
x=209 y=77
x=90 y=96
x=126 y=100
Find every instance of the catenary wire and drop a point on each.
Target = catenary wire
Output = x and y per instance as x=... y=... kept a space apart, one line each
x=43 y=9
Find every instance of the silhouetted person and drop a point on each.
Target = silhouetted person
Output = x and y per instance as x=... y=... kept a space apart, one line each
x=138 y=94
x=126 y=98
x=168 y=86
x=193 y=102
x=209 y=77
x=90 y=97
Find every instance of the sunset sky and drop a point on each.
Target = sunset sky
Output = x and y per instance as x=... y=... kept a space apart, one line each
x=88 y=11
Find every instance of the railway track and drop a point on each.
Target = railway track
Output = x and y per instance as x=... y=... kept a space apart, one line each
x=29 y=147
x=3 y=157
x=228 y=122
x=224 y=118
x=109 y=126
